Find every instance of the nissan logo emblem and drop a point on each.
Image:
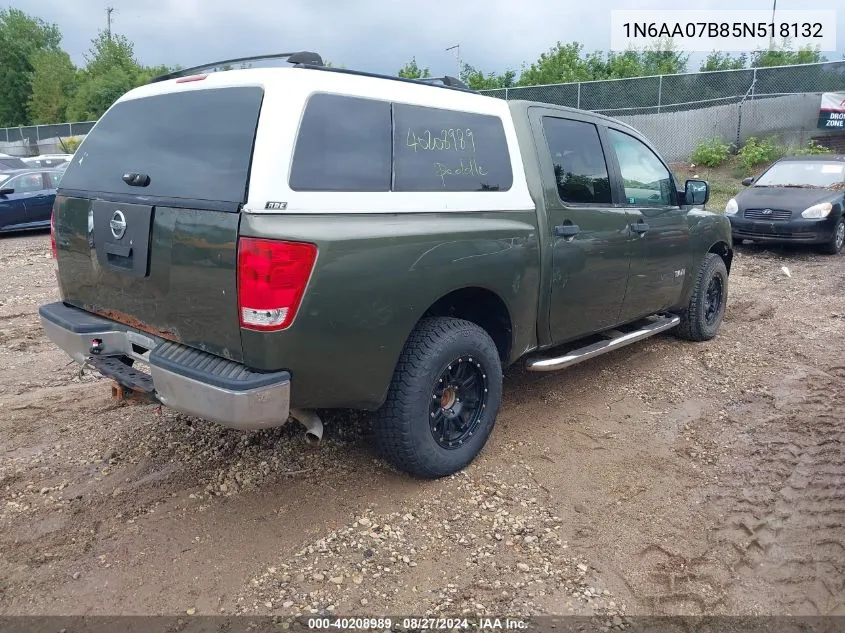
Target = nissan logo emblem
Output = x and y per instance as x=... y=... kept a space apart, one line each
x=118 y=224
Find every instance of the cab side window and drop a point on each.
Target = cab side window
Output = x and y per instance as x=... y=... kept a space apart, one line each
x=647 y=181
x=578 y=159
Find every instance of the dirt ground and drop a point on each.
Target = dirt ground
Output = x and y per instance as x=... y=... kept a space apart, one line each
x=666 y=478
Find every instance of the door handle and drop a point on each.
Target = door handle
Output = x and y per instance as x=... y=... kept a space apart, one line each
x=567 y=230
x=639 y=227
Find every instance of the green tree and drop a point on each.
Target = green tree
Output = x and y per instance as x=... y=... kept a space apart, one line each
x=780 y=56
x=560 y=64
x=477 y=80
x=412 y=71
x=21 y=37
x=565 y=63
x=663 y=58
x=110 y=52
x=53 y=81
x=723 y=61
x=111 y=70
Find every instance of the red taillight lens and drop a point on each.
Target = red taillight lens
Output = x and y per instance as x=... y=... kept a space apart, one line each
x=53 y=235
x=272 y=276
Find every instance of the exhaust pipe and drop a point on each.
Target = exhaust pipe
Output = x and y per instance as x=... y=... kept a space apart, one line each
x=312 y=423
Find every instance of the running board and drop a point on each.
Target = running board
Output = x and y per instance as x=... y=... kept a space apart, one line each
x=617 y=339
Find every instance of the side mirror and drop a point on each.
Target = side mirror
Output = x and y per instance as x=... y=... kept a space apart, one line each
x=6 y=192
x=748 y=181
x=696 y=192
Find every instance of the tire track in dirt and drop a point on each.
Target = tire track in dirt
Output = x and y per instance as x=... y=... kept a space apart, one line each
x=784 y=501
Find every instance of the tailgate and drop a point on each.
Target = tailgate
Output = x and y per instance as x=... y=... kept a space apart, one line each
x=147 y=215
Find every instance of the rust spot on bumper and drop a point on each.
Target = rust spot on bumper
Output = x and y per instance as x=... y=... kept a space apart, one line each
x=134 y=322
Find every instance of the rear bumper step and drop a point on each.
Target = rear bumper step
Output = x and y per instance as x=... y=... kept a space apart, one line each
x=183 y=378
x=616 y=339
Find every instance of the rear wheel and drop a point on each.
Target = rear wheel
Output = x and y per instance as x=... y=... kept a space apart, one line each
x=834 y=246
x=443 y=399
x=701 y=319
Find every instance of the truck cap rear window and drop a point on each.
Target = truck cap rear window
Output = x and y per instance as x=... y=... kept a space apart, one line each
x=193 y=144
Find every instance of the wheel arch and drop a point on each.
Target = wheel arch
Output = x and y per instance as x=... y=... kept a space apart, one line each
x=481 y=306
x=725 y=251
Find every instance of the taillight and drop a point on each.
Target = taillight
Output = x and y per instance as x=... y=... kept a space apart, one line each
x=53 y=235
x=272 y=276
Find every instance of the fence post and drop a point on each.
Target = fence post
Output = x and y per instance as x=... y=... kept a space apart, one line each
x=578 y=103
x=659 y=93
x=506 y=93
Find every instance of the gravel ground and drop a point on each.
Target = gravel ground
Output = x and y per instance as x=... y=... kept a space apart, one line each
x=666 y=478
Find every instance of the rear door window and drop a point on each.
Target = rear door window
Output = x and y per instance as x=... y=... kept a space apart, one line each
x=343 y=145
x=193 y=144
x=578 y=159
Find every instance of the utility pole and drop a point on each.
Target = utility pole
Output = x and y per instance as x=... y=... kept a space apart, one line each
x=109 y=11
x=772 y=38
x=457 y=49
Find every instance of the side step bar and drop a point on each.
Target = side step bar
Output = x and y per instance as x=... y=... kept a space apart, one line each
x=655 y=325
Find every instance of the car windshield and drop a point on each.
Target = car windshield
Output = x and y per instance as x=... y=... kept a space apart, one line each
x=813 y=174
x=5 y=177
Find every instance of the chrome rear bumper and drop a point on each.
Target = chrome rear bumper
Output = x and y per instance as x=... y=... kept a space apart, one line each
x=183 y=378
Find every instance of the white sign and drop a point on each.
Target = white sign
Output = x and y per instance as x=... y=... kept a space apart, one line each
x=832 y=111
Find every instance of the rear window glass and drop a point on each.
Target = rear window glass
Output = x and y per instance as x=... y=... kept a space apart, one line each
x=343 y=145
x=195 y=144
x=445 y=150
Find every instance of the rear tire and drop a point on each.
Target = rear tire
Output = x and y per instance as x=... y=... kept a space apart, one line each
x=443 y=400
x=834 y=246
x=701 y=319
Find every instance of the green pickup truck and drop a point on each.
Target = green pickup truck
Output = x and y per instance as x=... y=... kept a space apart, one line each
x=250 y=245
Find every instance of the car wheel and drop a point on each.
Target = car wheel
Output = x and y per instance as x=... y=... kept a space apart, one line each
x=834 y=246
x=701 y=319
x=443 y=399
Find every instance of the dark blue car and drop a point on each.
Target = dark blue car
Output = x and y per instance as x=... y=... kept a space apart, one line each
x=26 y=198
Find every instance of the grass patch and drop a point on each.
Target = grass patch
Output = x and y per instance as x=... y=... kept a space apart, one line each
x=725 y=181
x=725 y=173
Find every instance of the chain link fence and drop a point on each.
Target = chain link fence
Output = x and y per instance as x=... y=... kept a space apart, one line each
x=28 y=140
x=676 y=112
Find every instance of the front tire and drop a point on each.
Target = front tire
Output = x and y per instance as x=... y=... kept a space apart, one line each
x=834 y=246
x=701 y=319
x=443 y=400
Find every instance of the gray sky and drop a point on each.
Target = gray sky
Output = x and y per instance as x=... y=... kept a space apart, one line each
x=374 y=35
